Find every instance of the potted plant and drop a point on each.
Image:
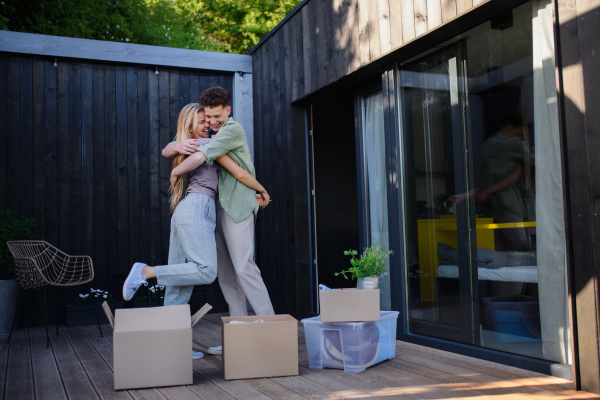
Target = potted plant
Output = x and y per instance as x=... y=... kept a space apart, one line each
x=10 y=229
x=368 y=267
x=86 y=306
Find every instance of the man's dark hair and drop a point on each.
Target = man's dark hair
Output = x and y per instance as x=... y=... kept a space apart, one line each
x=513 y=118
x=215 y=96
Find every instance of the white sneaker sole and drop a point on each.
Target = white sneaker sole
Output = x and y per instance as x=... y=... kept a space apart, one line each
x=214 y=352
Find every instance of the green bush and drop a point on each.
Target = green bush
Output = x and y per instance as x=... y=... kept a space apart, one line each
x=12 y=229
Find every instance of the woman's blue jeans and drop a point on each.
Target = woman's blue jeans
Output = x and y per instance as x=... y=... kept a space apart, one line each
x=192 y=249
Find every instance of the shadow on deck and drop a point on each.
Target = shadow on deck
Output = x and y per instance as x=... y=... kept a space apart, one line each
x=79 y=364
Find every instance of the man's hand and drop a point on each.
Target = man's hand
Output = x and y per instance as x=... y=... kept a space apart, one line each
x=262 y=200
x=265 y=197
x=187 y=147
x=482 y=196
x=457 y=198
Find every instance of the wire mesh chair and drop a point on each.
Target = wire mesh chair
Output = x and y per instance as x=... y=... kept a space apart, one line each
x=39 y=265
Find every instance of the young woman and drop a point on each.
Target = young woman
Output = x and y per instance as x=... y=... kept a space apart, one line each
x=192 y=248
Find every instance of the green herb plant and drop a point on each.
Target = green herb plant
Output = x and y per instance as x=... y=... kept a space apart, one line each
x=371 y=263
x=12 y=229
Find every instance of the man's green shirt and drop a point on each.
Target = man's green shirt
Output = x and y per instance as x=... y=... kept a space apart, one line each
x=237 y=199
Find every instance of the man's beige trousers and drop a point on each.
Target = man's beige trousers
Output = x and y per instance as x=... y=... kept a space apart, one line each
x=238 y=275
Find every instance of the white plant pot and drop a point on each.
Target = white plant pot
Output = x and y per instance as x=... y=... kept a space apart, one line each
x=368 y=283
x=9 y=294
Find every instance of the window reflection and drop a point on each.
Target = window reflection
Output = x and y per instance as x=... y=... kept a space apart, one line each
x=484 y=229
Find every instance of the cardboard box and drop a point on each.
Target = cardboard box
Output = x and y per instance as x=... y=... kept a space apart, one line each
x=260 y=350
x=349 y=305
x=152 y=347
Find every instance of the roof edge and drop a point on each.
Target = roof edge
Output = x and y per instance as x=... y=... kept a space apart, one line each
x=100 y=50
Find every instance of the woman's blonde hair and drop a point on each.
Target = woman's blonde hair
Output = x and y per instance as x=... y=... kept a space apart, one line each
x=186 y=128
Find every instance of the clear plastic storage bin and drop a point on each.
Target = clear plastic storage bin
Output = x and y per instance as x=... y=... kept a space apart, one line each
x=351 y=346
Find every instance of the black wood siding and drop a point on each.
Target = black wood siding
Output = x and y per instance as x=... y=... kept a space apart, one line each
x=80 y=148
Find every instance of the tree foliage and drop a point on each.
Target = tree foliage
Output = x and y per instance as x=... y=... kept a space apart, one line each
x=232 y=26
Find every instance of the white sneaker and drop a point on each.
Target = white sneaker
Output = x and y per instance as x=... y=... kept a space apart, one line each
x=134 y=280
x=215 y=350
x=197 y=355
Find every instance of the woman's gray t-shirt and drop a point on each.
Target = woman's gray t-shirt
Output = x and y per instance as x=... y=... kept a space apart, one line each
x=203 y=179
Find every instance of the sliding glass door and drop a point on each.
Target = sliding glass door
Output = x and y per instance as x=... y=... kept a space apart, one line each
x=433 y=102
x=482 y=194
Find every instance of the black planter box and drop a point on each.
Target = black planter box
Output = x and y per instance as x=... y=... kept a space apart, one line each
x=144 y=304
x=86 y=315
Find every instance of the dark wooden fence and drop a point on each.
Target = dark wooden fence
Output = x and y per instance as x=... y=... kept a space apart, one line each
x=80 y=146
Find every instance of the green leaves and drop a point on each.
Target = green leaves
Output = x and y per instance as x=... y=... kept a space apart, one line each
x=12 y=229
x=373 y=262
x=231 y=26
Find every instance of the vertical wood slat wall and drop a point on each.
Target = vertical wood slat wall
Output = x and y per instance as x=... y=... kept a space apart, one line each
x=337 y=37
x=323 y=42
x=80 y=151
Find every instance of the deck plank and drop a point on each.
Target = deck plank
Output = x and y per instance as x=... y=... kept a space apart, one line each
x=304 y=388
x=273 y=390
x=509 y=376
x=207 y=389
x=19 y=376
x=145 y=394
x=179 y=392
x=370 y=381
x=45 y=370
x=473 y=386
x=423 y=387
x=332 y=386
x=96 y=368
x=237 y=389
x=445 y=377
x=74 y=379
x=268 y=386
x=492 y=384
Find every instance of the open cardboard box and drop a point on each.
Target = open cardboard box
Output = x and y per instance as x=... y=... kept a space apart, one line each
x=349 y=305
x=152 y=347
x=260 y=350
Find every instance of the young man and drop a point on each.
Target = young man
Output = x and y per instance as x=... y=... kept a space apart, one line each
x=237 y=208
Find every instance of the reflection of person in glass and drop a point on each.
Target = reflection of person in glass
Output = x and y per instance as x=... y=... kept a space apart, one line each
x=504 y=158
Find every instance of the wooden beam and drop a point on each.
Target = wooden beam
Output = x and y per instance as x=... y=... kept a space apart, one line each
x=99 y=50
x=242 y=106
x=576 y=22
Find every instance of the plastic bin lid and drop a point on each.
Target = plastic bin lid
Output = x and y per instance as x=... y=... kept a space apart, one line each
x=383 y=314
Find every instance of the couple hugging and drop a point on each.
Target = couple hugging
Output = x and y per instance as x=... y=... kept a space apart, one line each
x=212 y=227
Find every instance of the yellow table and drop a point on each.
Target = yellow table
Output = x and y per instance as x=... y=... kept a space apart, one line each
x=444 y=230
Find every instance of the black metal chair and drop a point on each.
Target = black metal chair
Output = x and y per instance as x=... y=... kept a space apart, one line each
x=39 y=265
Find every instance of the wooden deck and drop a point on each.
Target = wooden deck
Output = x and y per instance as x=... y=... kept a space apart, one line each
x=78 y=365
